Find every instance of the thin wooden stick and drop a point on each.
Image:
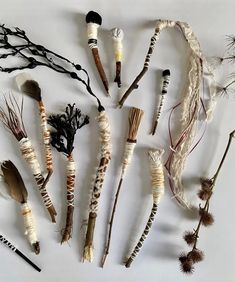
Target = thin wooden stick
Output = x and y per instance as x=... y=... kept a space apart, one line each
x=135 y=117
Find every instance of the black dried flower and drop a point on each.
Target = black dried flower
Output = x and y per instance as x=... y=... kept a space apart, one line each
x=207 y=218
x=190 y=237
x=196 y=255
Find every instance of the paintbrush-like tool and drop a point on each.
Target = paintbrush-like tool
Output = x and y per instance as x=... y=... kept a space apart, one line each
x=29 y=86
x=19 y=253
x=18 y=192
x=94 y=21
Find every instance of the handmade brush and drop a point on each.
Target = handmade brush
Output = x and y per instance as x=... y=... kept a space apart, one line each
x=19 y=193
x=157 y=179
x=12 y=119
x=66 y=126
x=117 y=36
x=105 y=137
x=165 y=83
x=27 y=85
x=135 y=116
x=18 y=252
x=94 y=21
x=16 y=44
x=189 y=106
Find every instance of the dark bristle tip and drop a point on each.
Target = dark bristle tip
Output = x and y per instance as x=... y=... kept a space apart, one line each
x=93 y=17
x=166 y=72
x=31 y=87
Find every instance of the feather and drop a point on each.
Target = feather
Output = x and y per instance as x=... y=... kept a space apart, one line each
x=29 y=86
x=15 y=182
x=3 y=188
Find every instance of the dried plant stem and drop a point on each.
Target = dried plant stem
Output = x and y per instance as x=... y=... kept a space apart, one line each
x=67 y=233
x=133 y=86
x=95 y=53
x=206 y=218
x=106 y=251
x=135 y=117
x=213 y=180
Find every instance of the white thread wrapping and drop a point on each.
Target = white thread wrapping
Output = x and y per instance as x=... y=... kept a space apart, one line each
x=165 y=83
x=30 y=230
x=92 y=30
x=117 y=36
x=29 y=155
x=127 y=157
x=106 y=147
x=190 y=106
x=71 y=169
x=157 y=174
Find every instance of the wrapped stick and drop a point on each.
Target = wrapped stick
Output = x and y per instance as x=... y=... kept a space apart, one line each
x=189 y=106
x=31 y=87
x=94 y=21
x=13 y=121
x=117 y=36
x=18 y=252
x=157 y=179
x=66 y=126
x=165 y=82
x=19 y=193
x=135 y=117
x=105 y=138
x=33 y=55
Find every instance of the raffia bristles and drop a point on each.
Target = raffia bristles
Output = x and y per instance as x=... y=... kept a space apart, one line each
x=135 y=116
x=12 y=118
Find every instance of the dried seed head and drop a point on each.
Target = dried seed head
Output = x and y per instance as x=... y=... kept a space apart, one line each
x=187 y=266
x=206 y=217
x=183 y=257
x=189 y=237
x=204 y=194
x=206 y=183
x=196 y=255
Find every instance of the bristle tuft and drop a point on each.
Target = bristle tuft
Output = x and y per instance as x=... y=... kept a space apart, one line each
x=93 y=17
x=135 y=116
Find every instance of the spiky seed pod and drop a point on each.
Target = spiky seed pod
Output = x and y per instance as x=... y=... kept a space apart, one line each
x=190 y=237
x=206 y=183
x=187 y=266
x=196 y=255
x=183 y=257
x=206 y=217
x=204 y=194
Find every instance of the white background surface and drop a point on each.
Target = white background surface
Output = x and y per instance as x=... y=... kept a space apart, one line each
x=60 y=26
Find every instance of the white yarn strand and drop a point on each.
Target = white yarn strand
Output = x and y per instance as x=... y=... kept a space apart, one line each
x=30 y=230
x=128 y=153
x=157 y=174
